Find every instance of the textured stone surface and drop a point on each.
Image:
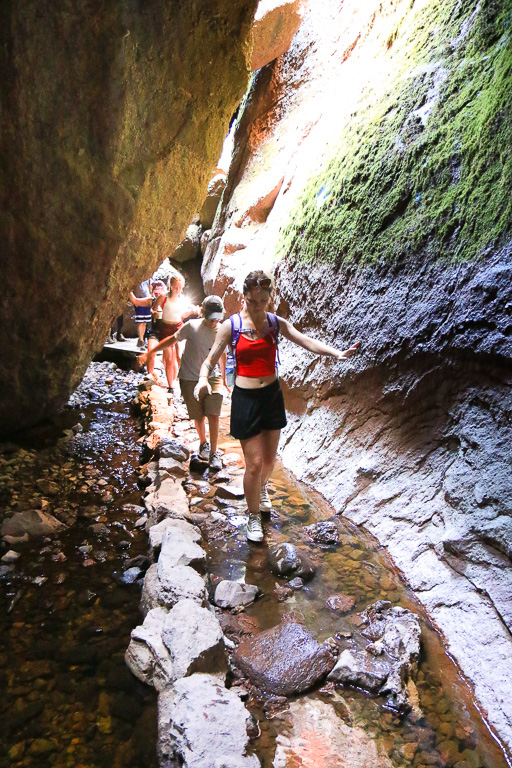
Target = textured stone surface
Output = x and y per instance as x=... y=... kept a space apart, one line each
x=92 y=211
x=317 y=730
x=230 y=594
x=275 y=23
x=203 y=725
x=176 y=583
x=180 y=548
x=412 y=437
x=146 y=656
x=194 y=639
x=33 y=523
x=156 y=533
x=283 y=660
x=288 y=560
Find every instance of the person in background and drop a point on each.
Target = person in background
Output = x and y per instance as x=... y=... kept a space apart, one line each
x=142 y=313
x=199 y=336
x=257 y=405
x=158 y=289
x=116 y=332
x=173 y=308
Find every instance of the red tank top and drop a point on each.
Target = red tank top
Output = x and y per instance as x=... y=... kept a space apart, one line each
x=255 y=358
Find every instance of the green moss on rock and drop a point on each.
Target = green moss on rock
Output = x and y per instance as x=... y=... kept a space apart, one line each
x=427 y=165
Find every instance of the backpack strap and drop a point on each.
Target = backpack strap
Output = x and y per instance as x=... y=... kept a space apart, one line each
x=236 y=328
x=273 y=324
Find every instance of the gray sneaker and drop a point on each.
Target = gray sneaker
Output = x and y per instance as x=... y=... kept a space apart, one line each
x=215 y=463
x=204 y=451
x=265 y=503
x=254 y=529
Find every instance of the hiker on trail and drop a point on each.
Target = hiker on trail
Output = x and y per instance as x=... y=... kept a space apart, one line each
x=199 y=337
x=169 y=312
x=158 y=288
x=142 y=312
x=257 y=405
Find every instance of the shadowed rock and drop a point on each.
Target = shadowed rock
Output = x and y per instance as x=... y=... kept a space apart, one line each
x=289 y=560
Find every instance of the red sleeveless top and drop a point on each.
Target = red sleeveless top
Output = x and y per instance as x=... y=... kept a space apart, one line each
x=255 y=358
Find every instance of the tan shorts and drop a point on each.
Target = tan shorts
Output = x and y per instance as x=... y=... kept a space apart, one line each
x=209 y=405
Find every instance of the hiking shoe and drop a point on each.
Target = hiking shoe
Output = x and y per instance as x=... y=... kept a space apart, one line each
x=265 y=503
x=120 y=337
x=141 y=344
x=204 y=451
x=215 y=462
x=110 y=340
x=254 y=528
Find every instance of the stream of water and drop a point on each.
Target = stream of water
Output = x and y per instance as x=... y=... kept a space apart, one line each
x=65 y=619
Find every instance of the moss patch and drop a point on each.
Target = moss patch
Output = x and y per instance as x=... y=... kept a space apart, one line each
x=427 y=165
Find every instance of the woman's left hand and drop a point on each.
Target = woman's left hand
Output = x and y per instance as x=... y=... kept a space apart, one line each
x=346 y=353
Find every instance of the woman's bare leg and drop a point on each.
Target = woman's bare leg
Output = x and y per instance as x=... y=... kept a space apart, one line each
x=170 y=364
x=270 y=443
x=253 y=455
x=151 y=360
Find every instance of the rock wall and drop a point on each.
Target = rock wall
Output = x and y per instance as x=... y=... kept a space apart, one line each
x=113 y=120
x=372 y=173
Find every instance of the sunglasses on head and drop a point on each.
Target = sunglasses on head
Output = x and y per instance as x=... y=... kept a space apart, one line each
x=254 y=282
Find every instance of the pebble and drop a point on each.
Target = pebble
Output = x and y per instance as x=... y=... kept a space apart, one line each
x=10 y=557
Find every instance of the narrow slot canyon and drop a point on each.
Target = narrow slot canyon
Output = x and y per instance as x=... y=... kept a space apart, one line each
x=357 y=155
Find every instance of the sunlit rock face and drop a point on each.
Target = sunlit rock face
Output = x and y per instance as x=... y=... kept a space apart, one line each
x=113 y=119
x=372 y=172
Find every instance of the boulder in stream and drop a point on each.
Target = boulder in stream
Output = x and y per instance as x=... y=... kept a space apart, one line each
x=231 y=594
x=194 y=639
x=385 y=663
x=201 y=724
x=287 y=560
x=33 y=522
x=176 y=583
x=170 y=448
x=284 y=660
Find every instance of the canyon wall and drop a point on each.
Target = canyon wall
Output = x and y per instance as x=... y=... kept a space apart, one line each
x=112 y=122
x=372 y=173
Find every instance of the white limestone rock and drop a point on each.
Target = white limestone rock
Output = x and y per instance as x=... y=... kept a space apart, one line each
x=146 y=656
x=194 y=639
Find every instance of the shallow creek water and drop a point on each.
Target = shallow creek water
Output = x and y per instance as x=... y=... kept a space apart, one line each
x=445 y=729
x=68 y=699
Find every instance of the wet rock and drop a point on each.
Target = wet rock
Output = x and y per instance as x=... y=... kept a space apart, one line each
x=48 y=487
x=175 y=584
x=288 y=560
x=136 y=508
x=171 y=467
x=274 y=705
x=237 y=626
x=171 y=448
x=390 y=657
x=315 y=728
x=156 y=533
x=229 y=491
x=10 y=557
x=325 y=534
x=140 y=561
x=215 y=529
x=282 y=592
x=201 y=724
x=146 y=656
x=14 y=540
x=32 y=522
x=86 y=597
x=99 y=529
x=231 y=594
x=141 y=522
x=296 y=583
x=42 y=747
x=361 y=669
x=180 y=548
x=194 y=639
x=283 y=660
x=130 y=576
x=340 y=603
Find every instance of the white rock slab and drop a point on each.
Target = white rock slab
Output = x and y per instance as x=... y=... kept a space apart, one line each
x=177 y=583
x=146 y=656
x=194 y=639
x=230 y=594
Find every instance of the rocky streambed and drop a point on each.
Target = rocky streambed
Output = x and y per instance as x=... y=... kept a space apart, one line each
x=302 y=652
x=69 y=513
x=311 y=641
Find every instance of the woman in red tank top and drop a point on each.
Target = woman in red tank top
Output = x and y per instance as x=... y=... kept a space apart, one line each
x=257 y=405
